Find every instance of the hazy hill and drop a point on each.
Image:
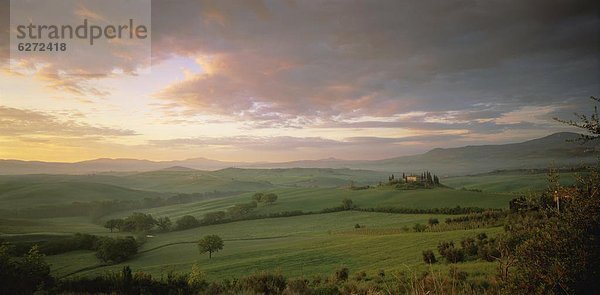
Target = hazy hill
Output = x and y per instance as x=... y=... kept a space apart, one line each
x=25 y=194
x=553 y=150
x=538 y=153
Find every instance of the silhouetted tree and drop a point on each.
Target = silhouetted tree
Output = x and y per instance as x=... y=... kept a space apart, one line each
x=590 y=124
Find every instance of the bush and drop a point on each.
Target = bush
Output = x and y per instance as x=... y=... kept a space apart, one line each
x=187 y=222
x=429 y=257
x=213 y=217
x=452 y=254
x=469 y=246
x=23 y=275
x=76 y=242
x=360 y=276
x=347 y=204
x=116 y=250
x=433 y=221
x=297 y=286
x=419 y=227
x=341 y=274
x=138 y=222
x=264 y=283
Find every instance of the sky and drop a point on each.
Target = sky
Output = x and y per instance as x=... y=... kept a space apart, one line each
x=288 y=80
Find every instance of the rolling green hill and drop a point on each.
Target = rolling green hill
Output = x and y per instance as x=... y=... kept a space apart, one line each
x=296 y=246
x=507 y=182
x=19 y=195
x=553 y=150
x=185 y=180
x=315 y=199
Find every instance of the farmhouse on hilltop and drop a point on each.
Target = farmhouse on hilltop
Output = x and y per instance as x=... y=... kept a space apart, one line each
x=413 y=178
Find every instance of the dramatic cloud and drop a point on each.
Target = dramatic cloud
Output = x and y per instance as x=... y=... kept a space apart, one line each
x=263 y=80
x=297 y=63
x=18 y=122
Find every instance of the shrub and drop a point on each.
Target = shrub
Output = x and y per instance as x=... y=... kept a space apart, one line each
x=23 y=275
x=138 y=222
x=469 y=246
x=452 y=254
x=297 y=286
x=116 y=250
x=429 y=257
x=419 y=227
x=186 y=222
x=347 y=204
x=164 y=223
x=76 y=242
x=264 y=283
x=360 y=276
x=342 y=274
x=433 y=221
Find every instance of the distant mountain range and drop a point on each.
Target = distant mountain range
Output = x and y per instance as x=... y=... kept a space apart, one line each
x=552 y=150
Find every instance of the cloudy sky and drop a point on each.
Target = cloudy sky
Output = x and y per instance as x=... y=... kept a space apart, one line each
x=287 y=80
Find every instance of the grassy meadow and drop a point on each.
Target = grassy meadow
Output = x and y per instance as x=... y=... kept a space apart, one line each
x=516 y=182
x=298 y=246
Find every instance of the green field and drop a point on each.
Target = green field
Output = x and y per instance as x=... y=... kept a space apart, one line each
x=296 y=246
x=315 y=199
x=314 y=244
x=28 y=195
x=508 y=182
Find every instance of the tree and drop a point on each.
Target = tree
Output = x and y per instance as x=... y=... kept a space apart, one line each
x=138 y=222
x=347 y=204
x=24 y=275
x=258 y=197
x=187 y=221
x=270 y=198
x=591 y=124
x=213 y=217
x=238 y=211
x=210 y=244
x=164 y=223
x=113 y=224
x=547 y=251
x=116 y=250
